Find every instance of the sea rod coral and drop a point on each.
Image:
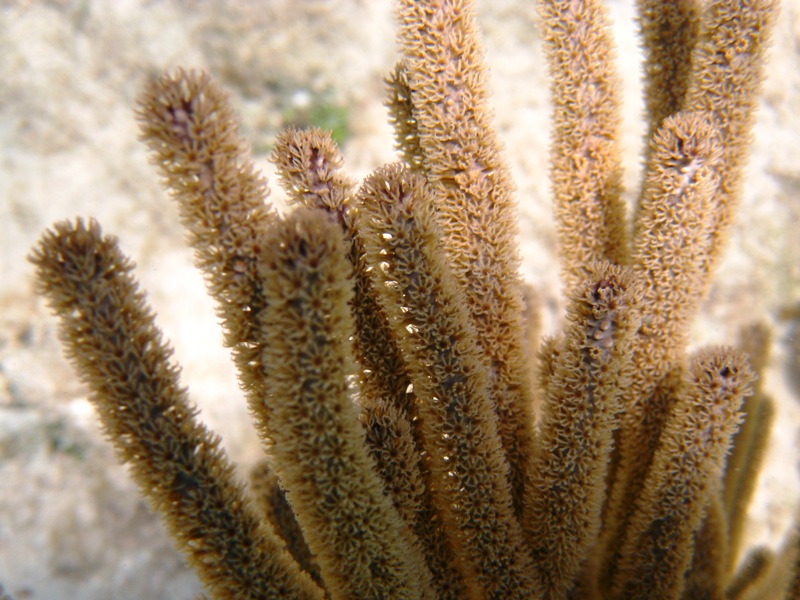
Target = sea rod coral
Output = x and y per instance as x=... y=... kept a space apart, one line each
x=386 y=344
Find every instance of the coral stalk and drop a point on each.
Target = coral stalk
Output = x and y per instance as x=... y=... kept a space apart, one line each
x=117 y=350
x=586 y=164
x=658 y=543
x=444 y=80
x=469 y=473
x=590 y=368
x=187 y=122
x=311 y=426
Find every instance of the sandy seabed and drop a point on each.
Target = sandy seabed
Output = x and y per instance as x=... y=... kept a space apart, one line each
x=71 y=523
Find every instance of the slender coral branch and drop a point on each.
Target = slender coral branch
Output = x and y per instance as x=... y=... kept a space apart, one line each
x=469 y=474
x=272 y=500
x=116 y=348
x=591 y=368
x=189 y=125
x=311 y=426
x=658 y=543
x=585 y=154
x=749 y=445
x=444 y=78
x=707 y=575
x=669 y=34
x=727 y=68
x=396 y=452
x=309 y=165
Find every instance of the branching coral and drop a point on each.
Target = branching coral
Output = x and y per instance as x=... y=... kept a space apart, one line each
x=380 y=335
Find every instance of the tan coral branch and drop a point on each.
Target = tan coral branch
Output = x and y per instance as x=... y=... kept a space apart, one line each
x=178 y=465
x=469 y=473
x=311 y=427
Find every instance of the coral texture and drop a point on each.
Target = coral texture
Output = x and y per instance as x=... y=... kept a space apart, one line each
x=382 y=334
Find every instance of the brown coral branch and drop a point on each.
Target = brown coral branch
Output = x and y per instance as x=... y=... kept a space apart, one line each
x=189 y=126
x=392 y=445
x=727 y=69
x=669 y=33
x=707 y=576
x=583 y=386
x=399 y=101
x=751 y=574
x=585 y=156
x=657 y=548
x=110 y=337
x=271 y=498
x=749 y=445
x=461 y=160
x=311 y=426
x=309 y=165
x=429 y=317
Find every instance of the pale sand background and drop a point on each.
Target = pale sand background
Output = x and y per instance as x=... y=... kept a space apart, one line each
x=71 y=524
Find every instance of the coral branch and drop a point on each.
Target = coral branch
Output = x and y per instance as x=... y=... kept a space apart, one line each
x=657 y=549
x=727 y=68
x=669 y=33
x=585 y=155
x=428 y=315
x=311 y=426
x=444 y=75
x=591 y=368
x=189 y=126
x=110 y=337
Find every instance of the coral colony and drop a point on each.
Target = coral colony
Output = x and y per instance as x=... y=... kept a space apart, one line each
x=382 y=334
